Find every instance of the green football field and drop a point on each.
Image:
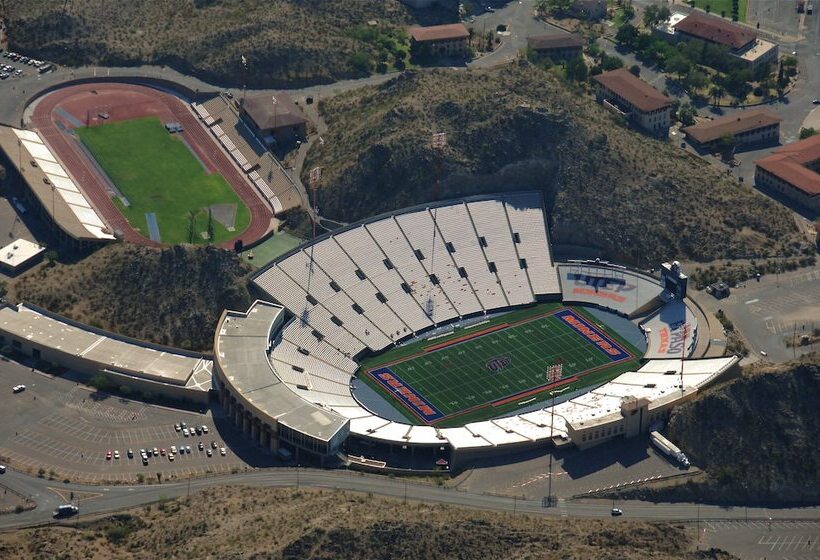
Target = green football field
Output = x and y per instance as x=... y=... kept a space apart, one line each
x=157 y=173
x=497 y=367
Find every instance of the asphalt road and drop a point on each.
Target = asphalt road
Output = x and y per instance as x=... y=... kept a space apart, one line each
x=119 y=497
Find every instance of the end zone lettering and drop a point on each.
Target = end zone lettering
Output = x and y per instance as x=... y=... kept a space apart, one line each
x=598 y=338
x=416 y=403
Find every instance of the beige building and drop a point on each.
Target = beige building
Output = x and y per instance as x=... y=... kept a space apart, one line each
x=754 y=126
x=441 y=40
x=794 y=172
x=641 y=103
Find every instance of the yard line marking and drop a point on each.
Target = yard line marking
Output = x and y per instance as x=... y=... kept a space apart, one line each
x=751 y=301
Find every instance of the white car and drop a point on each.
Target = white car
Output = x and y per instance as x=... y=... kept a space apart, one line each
x=204 y=429
x=116 y=454
x=222 y=451
x=18 y=388
x=616 y=512
x=173 y=449
x=2 y=469
x=185 y=432
x=171 y=456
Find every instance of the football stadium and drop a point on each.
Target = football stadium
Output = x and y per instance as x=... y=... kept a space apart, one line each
x=435 y=336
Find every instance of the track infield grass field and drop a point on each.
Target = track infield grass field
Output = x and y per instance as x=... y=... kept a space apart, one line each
x=158 y=174
x=494 y=368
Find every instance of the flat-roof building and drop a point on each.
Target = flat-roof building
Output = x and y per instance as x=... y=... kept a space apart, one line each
x=146 y=367
x=637 y=100
x=754 y=126
x=275 y=118
x=794 y=172
x=441 y=40
x=558 y=47
x=19 y=255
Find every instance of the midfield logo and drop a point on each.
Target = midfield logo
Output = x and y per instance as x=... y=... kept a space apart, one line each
x=497 y=364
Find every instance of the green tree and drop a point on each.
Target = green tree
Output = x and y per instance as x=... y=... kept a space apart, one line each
x=726 y=145
x=51 y=256
x=804 y=133
x=686 y=114
x=635 y=69
x=678 y=65
x=654 y=14
x=577 y=70
x=695 y=80
x=210 y=225
x=360 y=62
x=717 y=92
x=611 y=62
x=627 y=35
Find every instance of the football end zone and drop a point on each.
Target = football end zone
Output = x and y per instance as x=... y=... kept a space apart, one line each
x=424 y=410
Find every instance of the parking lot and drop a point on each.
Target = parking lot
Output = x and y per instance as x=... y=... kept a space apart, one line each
x=778 y=309
x=14 y=65
x=67 y=430
x=761 y=539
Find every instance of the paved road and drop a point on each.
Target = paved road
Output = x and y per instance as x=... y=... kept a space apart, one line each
x=119 y=497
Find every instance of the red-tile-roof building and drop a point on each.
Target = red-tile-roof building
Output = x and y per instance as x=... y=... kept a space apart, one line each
x=793 y=171
x=742 y=42
x=748 y=127
x=564 y=46
x=442 y=40
x=642 y=103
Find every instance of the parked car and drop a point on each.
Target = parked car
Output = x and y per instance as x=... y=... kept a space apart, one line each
x=18 y=388
x=204 y=429
x=201 y=446
x=222 y=451
x=171 y=456
x=116 y=454
x=130 y=453
x=177 y=427
x=185 y=432
x=173 y=449
x=816 y=101
x=2 y=469
x=108 y=455
x=214 y=445
x=209 y=453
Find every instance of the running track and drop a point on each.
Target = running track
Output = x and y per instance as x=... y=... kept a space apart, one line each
x=170 y=108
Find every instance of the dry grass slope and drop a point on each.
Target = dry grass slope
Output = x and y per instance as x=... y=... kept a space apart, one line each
x=518 y=127
x=286 y=41
x=239 y=522
x=170 y=296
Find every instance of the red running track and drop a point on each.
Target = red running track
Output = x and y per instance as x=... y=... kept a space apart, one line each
x=79 y=105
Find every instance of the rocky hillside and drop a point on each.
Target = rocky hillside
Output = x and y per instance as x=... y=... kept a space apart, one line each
x=286 y=42
x=756 y=437
x=171 y=296
x=275 y=524
x=519 y=127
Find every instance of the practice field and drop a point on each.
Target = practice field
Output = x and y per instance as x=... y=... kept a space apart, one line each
x=499 y=366
x=163 y=182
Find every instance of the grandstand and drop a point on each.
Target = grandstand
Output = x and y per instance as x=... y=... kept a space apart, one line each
x=259 y=165
x=419 y=273
x=150 y=368
x=57 y=192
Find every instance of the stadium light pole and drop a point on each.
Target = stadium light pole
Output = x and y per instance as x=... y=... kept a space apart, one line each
x=552 y=435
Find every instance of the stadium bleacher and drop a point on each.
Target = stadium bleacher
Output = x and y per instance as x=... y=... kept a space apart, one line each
x=261 y=167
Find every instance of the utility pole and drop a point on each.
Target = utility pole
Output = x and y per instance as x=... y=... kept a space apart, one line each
x=550 y=500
